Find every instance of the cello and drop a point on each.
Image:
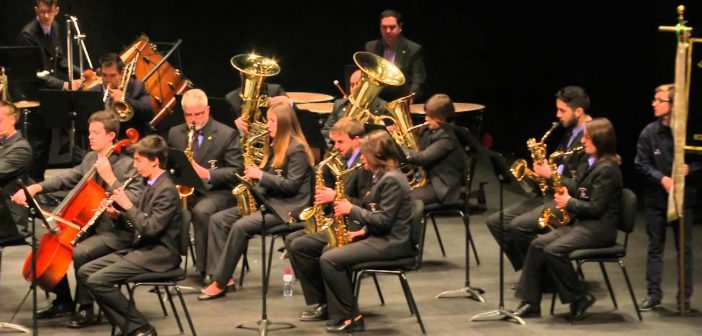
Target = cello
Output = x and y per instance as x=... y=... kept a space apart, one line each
x=55 y=252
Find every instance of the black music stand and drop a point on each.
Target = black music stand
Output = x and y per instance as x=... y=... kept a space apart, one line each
x=312 y=129
x=265 y=207
x=502 y=172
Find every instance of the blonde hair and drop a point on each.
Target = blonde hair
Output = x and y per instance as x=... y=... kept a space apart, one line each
x=288 y=130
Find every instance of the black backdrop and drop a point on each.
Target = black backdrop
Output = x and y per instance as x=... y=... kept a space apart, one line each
x=510 y=56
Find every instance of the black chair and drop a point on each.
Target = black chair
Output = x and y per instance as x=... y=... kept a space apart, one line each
x=279 y=231
x=166 y=280
x=611 y=254
x=396 y=267
x=431 y=211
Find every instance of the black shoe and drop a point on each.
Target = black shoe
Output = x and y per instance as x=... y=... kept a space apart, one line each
x=686 y=306
x=46 y=200
x=527 y=310
x=579 y=307
x=55 y=309
x=83 y=318
x=342 y=328
x=145 y=330
x=206 y=280
x=318 y=312
x=649 y=303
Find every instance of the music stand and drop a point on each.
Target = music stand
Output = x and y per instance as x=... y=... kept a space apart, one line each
x=312 y=129
x=265 y=207
x=502 y=172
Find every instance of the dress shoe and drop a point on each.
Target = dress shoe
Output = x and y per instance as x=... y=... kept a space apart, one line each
x=686 y=306
x=579 y=307
x=203 y=296
x=527 y=310
x=318 y=312
x=46 y=200
x=56 y=309
x=342 y=328
x=145 y=330
x=649 y=303
x=206 y=280
x=83 y=318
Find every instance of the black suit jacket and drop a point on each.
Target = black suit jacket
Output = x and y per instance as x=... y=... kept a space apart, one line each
x=269 y=89
x=157 y=219
x=52 y=55
x=220 y=147
x=409 y=57
x=596 y=199
x=339 y=111
x=442 y=160
x=387 y=215
x=288 y=189
x=15 y=160
x=138 y=98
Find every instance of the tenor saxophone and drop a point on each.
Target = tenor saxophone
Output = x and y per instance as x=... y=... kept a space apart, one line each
x=548 y=218
x=313 y=217
x=336 y=232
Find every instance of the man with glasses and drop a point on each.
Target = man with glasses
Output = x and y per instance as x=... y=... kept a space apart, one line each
x=654 y=161
x=217 y=157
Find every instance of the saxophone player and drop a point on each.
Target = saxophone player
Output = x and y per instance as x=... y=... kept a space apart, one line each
x=385 y=217
x=594 y=204
x=284 y=178
x=216 y=158
x=521 y=220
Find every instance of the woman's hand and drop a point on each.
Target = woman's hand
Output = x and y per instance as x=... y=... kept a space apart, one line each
x=342 y=207
x=253 y=172
x=561 y=198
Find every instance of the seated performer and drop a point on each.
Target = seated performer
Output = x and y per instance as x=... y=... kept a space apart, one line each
x=385 y=218
x=595 y=208
x=217 y=157
x=521 y=220
x=107 y=237
x=15 y=160
x=440 y=155
x=341 y=104
x=156 y=225
x=135 y=94
x=267 y=89
x=285 y=180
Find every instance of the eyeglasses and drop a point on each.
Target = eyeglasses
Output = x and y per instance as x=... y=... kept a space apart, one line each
x=196 y=114
x=659 y=101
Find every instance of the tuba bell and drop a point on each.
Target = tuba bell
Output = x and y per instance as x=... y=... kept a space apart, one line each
x=121 y=108
x=377 y=72
x=402 y=133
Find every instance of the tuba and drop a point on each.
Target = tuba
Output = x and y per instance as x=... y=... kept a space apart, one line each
x=313 y=217
x=377 y=72
x=547 y=218
x=403 y=135
x=185 y=191
x=336 y=231
x=121 y=108
x=253 y=69
x=520 y=168
x=4 y=92
x=244 y=199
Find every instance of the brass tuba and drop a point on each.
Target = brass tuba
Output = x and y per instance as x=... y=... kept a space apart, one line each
x=547 y=218
x=252 y=70
x=185 y=191
x=520 y=168
x=336 y=232
x=313 y=217
x=244 y=199
x=121 y=108
x=377 y=72
x=4 y=92
x=403 y=135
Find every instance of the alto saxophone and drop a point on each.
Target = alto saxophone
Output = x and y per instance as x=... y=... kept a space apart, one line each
x=336 y=232
x=520 y=168
x=313 y=217
x=244 y=199
x=185 y=191
x=547 y=218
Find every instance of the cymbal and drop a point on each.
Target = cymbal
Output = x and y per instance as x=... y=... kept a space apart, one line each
x=459 y=107
x=22 y=104
x=321 y=108
x=308 y=97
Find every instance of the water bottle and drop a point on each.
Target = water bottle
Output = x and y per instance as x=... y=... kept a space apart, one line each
x=287 y=282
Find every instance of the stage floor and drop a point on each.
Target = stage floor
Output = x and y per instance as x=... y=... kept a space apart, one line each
x=440 y=316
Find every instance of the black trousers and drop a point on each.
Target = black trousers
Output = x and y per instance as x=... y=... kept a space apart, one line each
x=203 y=207
x=425 y=194
x=520 y=228
x=548 y=256
x=656 y=227
x=101 y=277
x=304 y=251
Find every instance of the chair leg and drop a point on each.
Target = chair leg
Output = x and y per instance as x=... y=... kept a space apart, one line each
x=244 y=266
x=191 y=247
x=438 y=236
x=609 y=286
x=553 y=302
x=130 y=290
x=175 y=312
x=631 y=290
x=377 y=288
x=270 y=258
x=403 y=278
x=405 y=289
x=422 y=238
x=160 y=300
x=356 y=279
x=185 y=310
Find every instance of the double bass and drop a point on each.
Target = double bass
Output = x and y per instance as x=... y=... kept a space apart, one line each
x=55 y=252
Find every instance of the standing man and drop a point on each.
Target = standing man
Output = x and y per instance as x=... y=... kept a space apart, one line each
x=521 y=220
x=217 y=157
x=134 y=94
x=405 y=54
x=654 y=161
x=15 y=160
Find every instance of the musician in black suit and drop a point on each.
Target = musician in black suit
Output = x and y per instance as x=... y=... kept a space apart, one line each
x=405 y=54
x=285 y=179
x=15 y=160
x=594 y=205
x=156 y=228
x=521 y=220
x=108 y=236
x=217 y=157
x=440 y=155
x=44 y=32
x=135 y=94
x=340 y=105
